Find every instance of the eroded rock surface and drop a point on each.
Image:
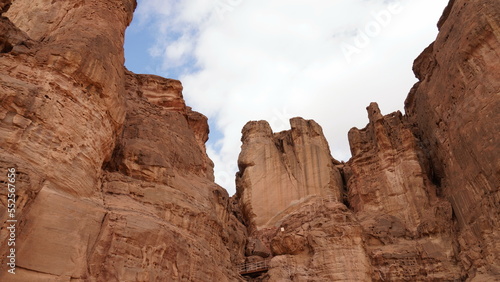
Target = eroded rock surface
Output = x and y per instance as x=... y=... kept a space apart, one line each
x=279 y=170
x=167 y=219
x=422 y=187
x=454 y=109
x=410 y=230
x=113 y=181
x=388 y=175
x=319 y=241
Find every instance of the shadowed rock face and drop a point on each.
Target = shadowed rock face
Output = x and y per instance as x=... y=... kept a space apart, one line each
x=386 y=175
x=454 y=110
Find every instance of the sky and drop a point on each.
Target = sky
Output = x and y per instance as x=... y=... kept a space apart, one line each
x=242 y=60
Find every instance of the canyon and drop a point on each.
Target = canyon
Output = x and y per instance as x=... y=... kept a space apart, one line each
x=113 y=182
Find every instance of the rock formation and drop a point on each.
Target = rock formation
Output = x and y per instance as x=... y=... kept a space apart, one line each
x=286 y=167
x=396 y=227
x=409 y=229
x=320 y=241
x=423 y=200
x=289 y=188
x=454 y=110
x=113 y=181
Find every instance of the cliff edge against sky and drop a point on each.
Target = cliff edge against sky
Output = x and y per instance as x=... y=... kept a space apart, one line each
x=113 y=182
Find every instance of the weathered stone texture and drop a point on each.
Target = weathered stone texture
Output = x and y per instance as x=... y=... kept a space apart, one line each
x=114 y=183
x=113 y=180
x=286 y=167
x=455 y=112
x=167 y=219
x=320 y=241
x=385 y=174
x=5 y=5
x=10 y=35
x=410 y=229
x=59 y=122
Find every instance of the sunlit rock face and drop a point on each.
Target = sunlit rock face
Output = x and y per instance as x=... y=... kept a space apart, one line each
x=454 y=109
x=290 y=188
x=422 y=188
x=408 y=227
x=279 y=170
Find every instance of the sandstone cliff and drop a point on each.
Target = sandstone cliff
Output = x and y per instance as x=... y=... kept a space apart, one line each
x=422 y=188
x=113 y=180
x=454 y=110
x=392 y=226
x=290 y=192
x=279 y=170
x=114 y=183
x=409 y=229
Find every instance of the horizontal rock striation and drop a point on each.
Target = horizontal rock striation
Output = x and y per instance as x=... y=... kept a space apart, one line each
x=167 y=219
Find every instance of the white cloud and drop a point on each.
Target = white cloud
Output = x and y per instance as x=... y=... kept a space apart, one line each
x=277 y=59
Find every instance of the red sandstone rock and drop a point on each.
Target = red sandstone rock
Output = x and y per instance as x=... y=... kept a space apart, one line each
x=5 y=5
x=320 y=241
x=114 y=183
x=454 y=109
x=287 y=167
x=396 y=203
x=113 y=180
x=10 y=35
x=386 y=175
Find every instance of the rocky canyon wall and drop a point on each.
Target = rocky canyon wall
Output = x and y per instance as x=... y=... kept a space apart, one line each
x=409 y=230
x=113 y=182
x=454 y=110
x=286 y=167
x=392 y=225
x=422 y=188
